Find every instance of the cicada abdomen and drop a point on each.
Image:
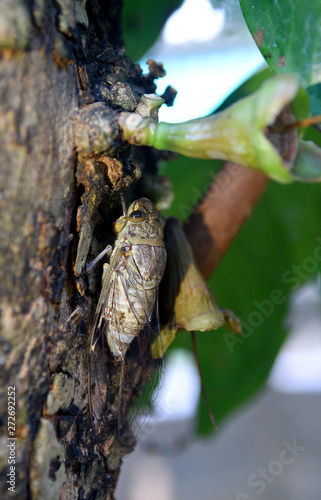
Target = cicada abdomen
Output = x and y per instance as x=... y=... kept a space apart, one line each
x=125 y=311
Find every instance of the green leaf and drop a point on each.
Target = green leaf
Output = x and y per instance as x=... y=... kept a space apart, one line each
x=312 y=134
x=301 y=104
x=142 y=23
x=315 y=97
x=256 y=280
x=190 y=178
x=276 y=252
x=288 y=34
x=307 y=166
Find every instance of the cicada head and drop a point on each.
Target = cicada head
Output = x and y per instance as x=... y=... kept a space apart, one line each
x=145 y=223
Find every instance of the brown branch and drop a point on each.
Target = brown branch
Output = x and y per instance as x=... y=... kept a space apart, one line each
x=217 y=219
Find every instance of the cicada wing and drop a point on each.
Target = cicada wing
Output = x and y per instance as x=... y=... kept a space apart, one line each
x=145 y=405
x=150 y=371
x=105 y=374
x=100 y=376
x=149 y=376
x=112 y=384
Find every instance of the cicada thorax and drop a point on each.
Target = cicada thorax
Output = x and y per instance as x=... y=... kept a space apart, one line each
x=126 y=311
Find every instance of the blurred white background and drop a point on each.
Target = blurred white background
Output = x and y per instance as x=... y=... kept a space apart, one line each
x=207 y=53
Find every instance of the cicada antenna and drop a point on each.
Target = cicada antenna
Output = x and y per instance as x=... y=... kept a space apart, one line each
x=123 y=204
x=207 y=404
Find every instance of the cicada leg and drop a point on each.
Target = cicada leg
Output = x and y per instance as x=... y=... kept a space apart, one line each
x=102 y=254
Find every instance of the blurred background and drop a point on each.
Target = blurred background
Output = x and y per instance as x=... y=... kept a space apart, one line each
x=264 y=389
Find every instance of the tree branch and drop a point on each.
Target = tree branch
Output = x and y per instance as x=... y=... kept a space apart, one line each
x=221 y=213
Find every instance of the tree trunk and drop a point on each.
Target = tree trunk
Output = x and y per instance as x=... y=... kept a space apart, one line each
x=64 y=78
x=58 y=60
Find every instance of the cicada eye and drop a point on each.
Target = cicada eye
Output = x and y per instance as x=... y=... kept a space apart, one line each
x=137 y=216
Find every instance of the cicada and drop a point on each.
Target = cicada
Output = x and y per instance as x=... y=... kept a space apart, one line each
x=126 y=310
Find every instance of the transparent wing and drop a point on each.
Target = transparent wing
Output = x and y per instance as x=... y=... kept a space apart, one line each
x=112 y=384
x=100 y=363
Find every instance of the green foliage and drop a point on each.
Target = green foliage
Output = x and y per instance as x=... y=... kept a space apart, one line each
x=288 y=34
x=190 y=178
x=315 y=97
x=256 y=275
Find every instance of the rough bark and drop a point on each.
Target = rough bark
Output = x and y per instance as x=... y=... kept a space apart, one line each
x=63 y=78
x=56 y=59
